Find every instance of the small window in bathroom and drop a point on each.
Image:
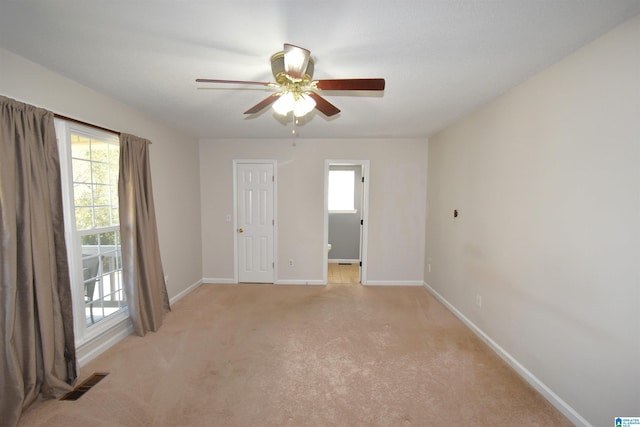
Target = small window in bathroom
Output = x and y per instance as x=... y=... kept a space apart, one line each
x=342 y=191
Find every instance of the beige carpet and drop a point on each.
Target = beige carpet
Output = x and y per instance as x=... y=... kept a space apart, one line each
x=341 y=355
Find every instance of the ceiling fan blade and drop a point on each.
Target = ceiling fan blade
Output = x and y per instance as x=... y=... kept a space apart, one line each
x=324 y=106
x=351 y=84
x=238 y=82
x=263 y=104
x=296 y=60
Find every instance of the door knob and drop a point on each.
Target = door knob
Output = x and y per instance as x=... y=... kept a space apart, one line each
x=240 y=230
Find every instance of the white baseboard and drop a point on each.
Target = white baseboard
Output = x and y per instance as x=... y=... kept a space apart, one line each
x=542 y=388
x=394 y=283
x=98 y=345
x=218 y=281
x=185 y=292
x=337 y=261
x=299 y=282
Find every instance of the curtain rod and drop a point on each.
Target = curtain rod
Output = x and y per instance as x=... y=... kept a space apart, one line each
x=80 y=122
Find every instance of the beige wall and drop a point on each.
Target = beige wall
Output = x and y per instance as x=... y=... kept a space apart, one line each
x=174 y=157
x=396 y=211
x=547 y=182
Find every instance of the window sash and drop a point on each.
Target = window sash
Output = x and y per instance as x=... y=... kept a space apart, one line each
x=108 y=292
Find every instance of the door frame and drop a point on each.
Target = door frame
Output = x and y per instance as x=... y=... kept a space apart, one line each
x=274 y=164
x=364 y=229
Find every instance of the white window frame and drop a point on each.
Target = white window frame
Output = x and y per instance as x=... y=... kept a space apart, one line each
x=83 y=333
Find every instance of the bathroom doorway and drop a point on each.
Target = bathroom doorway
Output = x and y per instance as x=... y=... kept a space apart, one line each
x=346 y=197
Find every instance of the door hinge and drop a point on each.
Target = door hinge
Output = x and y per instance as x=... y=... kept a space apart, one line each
x=362 y=222
x=363 y=179
x=360 y=263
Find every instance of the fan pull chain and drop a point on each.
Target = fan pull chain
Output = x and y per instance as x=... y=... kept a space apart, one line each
x=294 y=132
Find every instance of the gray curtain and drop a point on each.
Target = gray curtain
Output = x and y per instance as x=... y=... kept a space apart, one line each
x=143 y=275
x=37 y=351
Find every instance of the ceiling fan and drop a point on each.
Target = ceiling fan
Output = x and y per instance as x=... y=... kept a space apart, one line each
x=297 y=92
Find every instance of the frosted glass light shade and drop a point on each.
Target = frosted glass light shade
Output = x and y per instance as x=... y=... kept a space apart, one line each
x=303 y=105
x=300 y=105
x=284 y=104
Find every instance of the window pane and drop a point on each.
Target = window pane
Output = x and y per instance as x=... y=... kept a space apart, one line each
x=115 y=216
x=113 y=194
x=101 y=216
x=99 y=151
x=101 y=196
x=108 y=238
x=100 y=172
x=80 y=147
x=341 y=190
x=90 y=267
x=113 y=174
x=81 y=170
x=114 y=157
x=82 y=195
x=89 y=240
x=109 y=262
x=103 y=275
x=84 y=218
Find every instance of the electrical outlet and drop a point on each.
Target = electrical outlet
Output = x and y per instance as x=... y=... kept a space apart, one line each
x=479 y=300
x=290 y=262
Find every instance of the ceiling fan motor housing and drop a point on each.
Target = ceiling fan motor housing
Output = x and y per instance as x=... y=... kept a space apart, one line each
x=280 y=74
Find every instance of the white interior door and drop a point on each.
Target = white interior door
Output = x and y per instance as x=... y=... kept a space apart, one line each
x=255 y=222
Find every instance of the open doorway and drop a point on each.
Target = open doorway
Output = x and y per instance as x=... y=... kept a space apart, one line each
x=346 y=195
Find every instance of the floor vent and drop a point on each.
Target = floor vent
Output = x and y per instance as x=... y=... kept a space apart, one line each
x=85 y=386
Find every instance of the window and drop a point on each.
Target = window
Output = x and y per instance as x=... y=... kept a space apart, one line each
x=342 y=191
x=90 y=169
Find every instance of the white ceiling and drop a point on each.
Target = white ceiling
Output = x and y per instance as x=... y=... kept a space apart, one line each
x=440 y=59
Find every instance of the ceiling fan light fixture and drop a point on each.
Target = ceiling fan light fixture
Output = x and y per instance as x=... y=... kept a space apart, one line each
x=298 y=93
